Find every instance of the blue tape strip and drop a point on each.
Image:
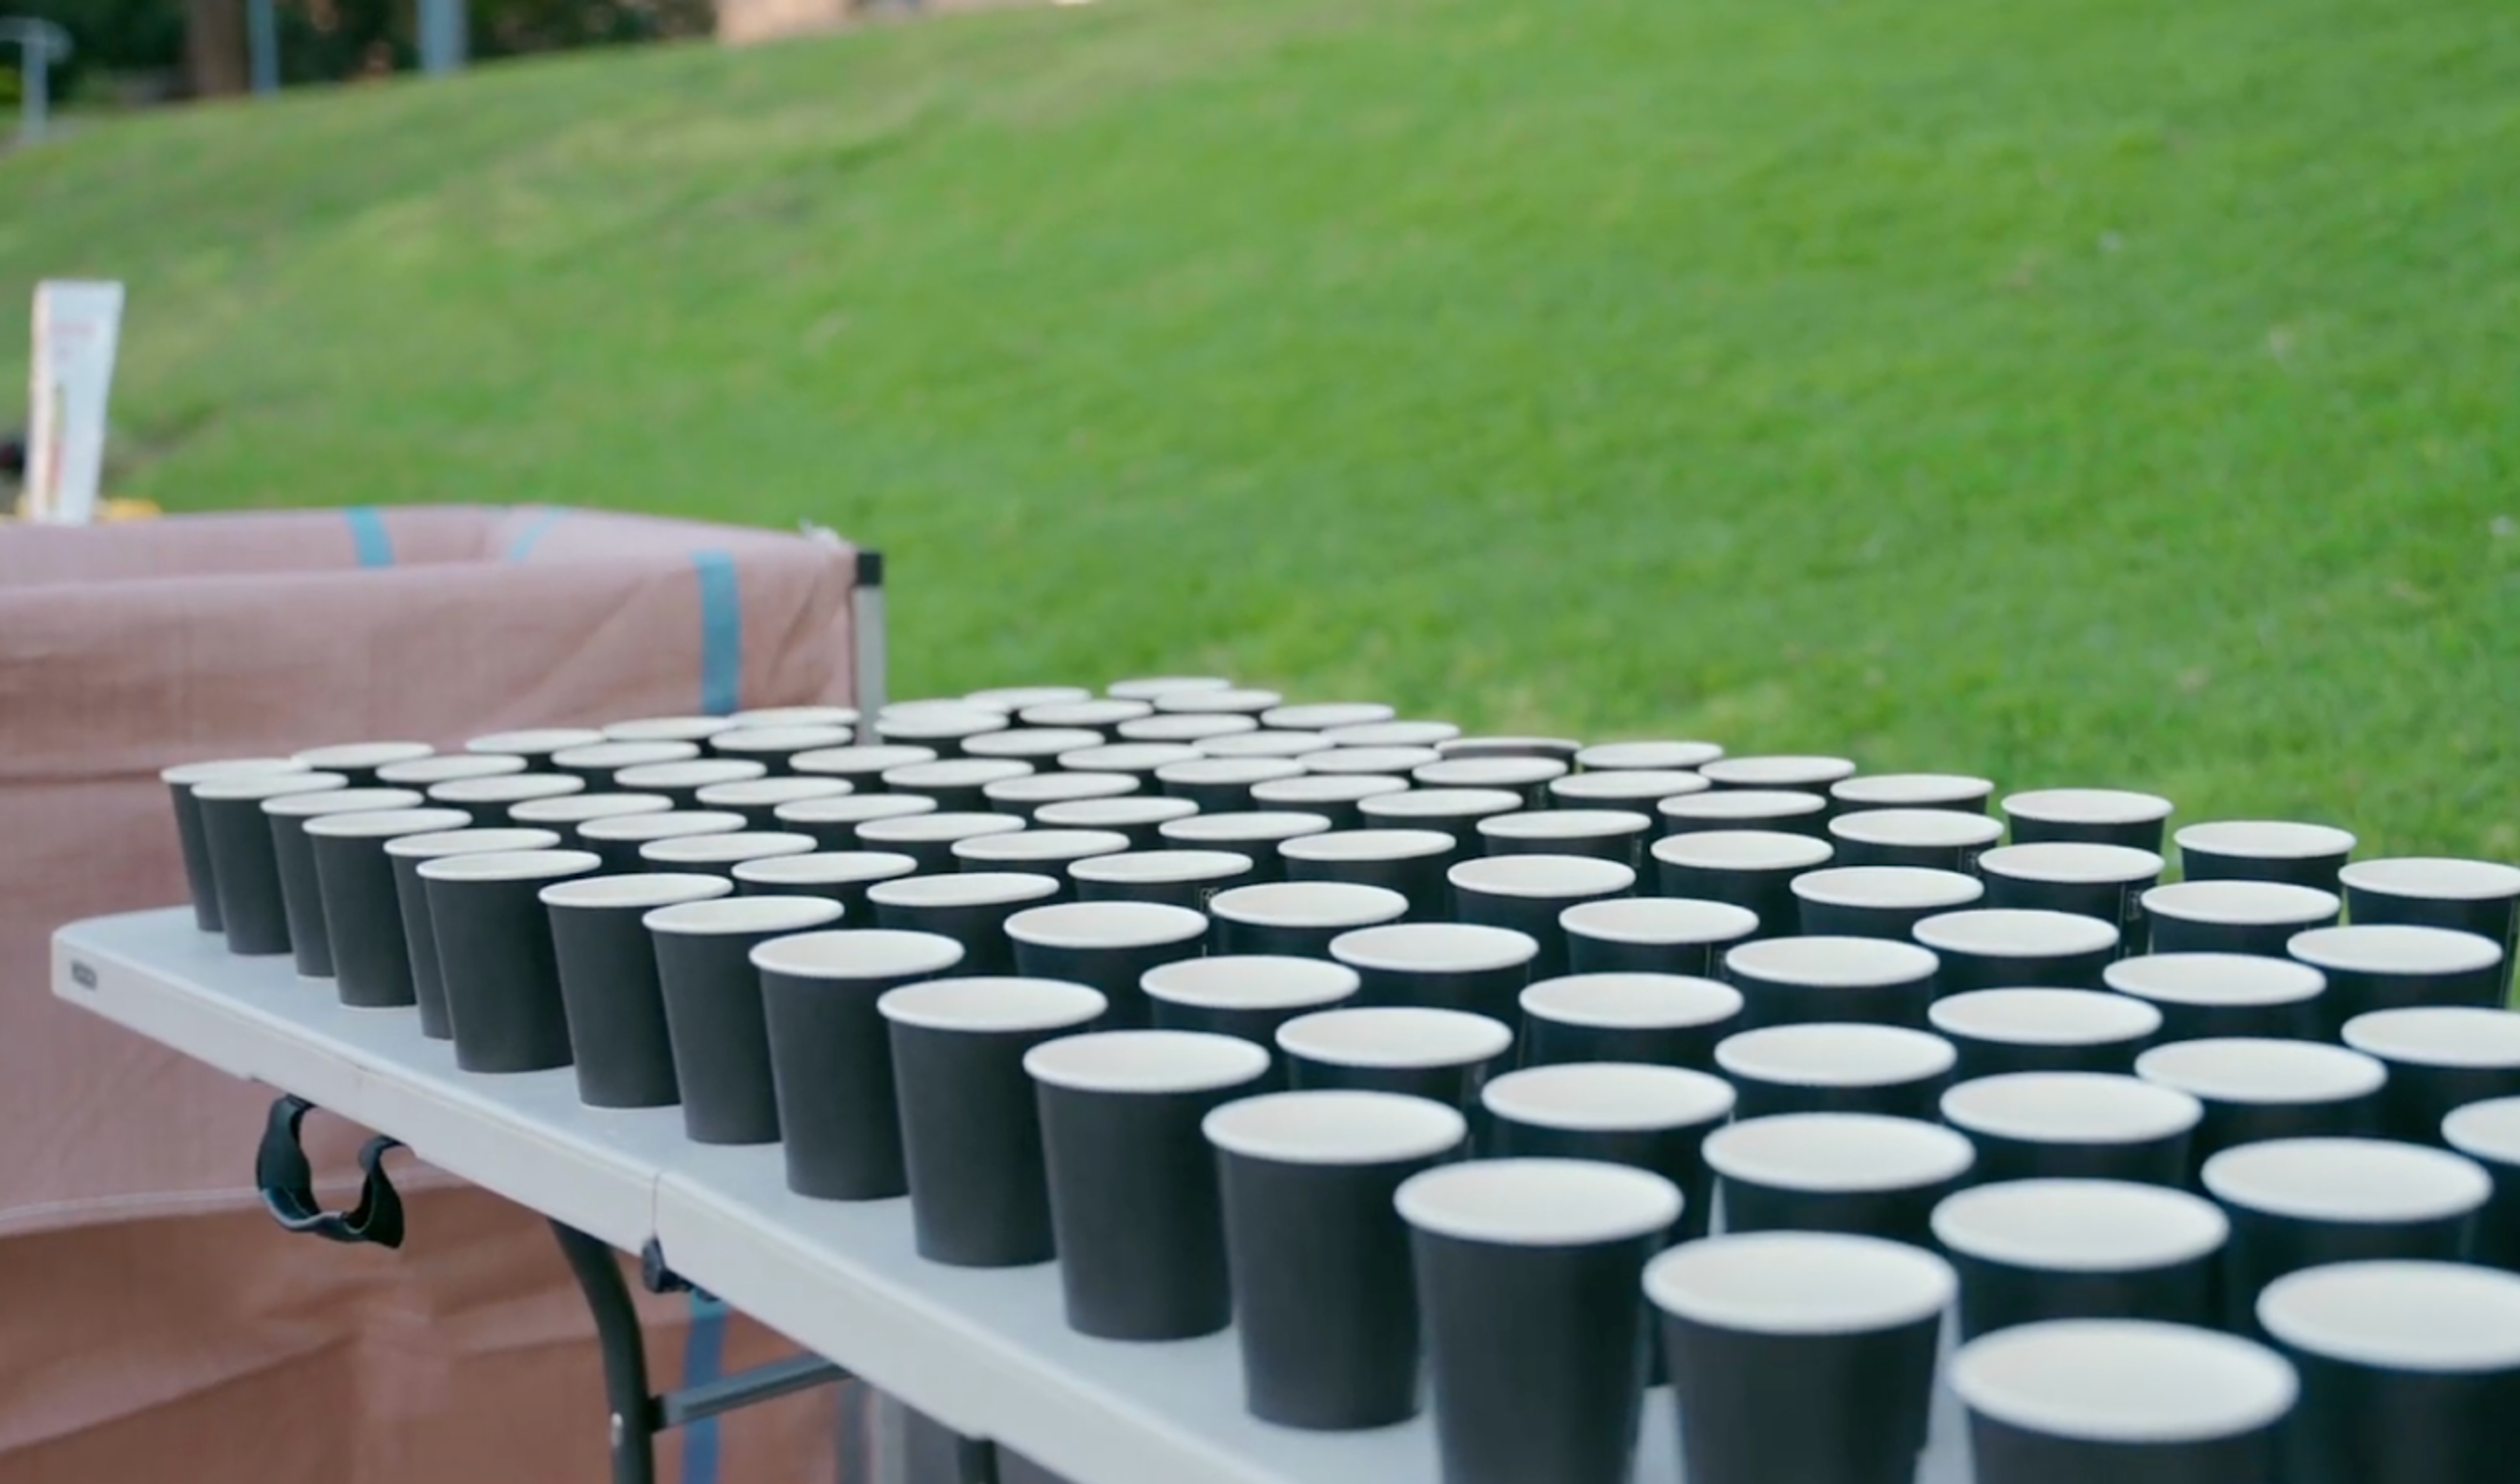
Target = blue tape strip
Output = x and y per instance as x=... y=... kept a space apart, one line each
x=721 y=632
x=704 y=1361
x=523 y=545
x=369 y=537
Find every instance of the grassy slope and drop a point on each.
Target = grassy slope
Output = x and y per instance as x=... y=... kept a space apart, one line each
x=2090 y=390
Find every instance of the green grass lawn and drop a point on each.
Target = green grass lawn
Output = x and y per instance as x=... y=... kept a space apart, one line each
x=2114 y=391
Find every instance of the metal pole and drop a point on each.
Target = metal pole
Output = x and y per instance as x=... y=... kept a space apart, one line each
x=262 y=45
x=35 y=68
x=443 y=42
x=865 y=620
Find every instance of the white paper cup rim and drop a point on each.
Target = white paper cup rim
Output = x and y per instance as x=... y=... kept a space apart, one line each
x=1106 y=925
x=1147 y=1061
x=1659 y=920
x=1403 y=731
x=2071 y=862
x=2266 y=839
x=1740 y=804
x=2376 y=948
x=2433 y=876
x=464 y=841
x=1563 y=823
x=2241 y=903
x=510 y=864
x=1245 y=698
x=1608 y=1097
x=1669 y=755
x=1286 y=748
x=696 y=773
x=189 y=774
x=825 y=868
x=2262 y=1070
x=1799 y=769
x=1128 y=757
x=1800 y=1283
x=957 y=773
x=990 y=1005
x=1031 y=742
x=1834 y=1154
x=1336 y=1126
x=1394 y=1036
x=1487 y=772
x=1056 y=789
x=744 y=915
x=728 y=848
x=1156 y=866
x=2036 y=1016
x=1106 y=712
x=792 y=739
x=2080 y=1226
x=1104 y=814
x=1740 y=849
x=852 y=808
x=247 y=788
x=444 y=767
x=941 y=826
x=669 y=729
x=1439 y=803
x=1326 y=789
x=387 y=823
x=2488 y=1131
x=1893 y=888
x=2431 y=1318
x=507 y=788
x=586 y=808
x=1437 y=948
x=1369 y=845
x=671 y=824
x=1641 y=785
x=1308 y=904
x=939 y=721
x=324 y=801
x=1825 y=961
x=863 y=758
x=1250 y=981
x=770 y=792
x=1893 y=790
x=967 y=888
x=2070 y=1107
x=2439 y=1035
x=2086 y=806
x=2008 y=932
x=2347 y=1180
x=859 y=953
x=1834 y=1053
x=1543 y=877
x=1052 y=844
x=2214 y=980
x=1538 y=1203
x=636 y=891
x=1921 y=829
x=788 y=716
x=2124 y=1381
x=1627 y=1001
x=1227 y=771
x=1244 y=825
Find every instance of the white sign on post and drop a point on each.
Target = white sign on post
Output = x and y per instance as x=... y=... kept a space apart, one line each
x=76 y=327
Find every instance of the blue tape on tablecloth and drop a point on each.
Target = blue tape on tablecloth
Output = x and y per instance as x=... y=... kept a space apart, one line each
x=369 y=536
x=704 y=1361
x=721 y=632
x=523 y=545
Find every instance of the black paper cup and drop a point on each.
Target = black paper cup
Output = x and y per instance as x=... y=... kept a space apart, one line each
x=1879 y=901
x=929 y=838
x=833 y=823
x=1800 y=1355
x=713 y=1015
x=1176 y=878
x=1186 y=727
x=1526 y=894
x=597 y=764
x=759 y=800
x=2440 y=1058
x=566 y=812
x=1133 y=1186
x=683 y=782
x=693 y=729
x=1010 y=700
x=2075 y=1126
x=1784 y=810
x=810 y=715
x=1411 y=862
x=1223 y=785
x=1444 y=1054
x=243 y=858
x=969 y=907
x=2088 y=815
x=1642 y=789
x=494 y=951
x=2372 y=967
x=1107 y=716
x=1239 y=700
x=1609 y=834
x=423 y=772
x=1108 y=946
x=830 y=1053
x=1039 y=746
x=2203 y=996
x=406 y=853
x=862 y=768
x=2032 y=1250
x=1137 y=819
x=619 y=839
x=199 y=874
x=957 y=783
x=1911 y=791
x=1330 y=795
x=1370 y=762
x=1403 y=733
x=2262 y=1088
x=363 y=917
x=2088 y=1401
x=1033 y=792
x=489 y=800
x=719 y=854
x=1261 y=834
x=1837 y=1067
x=1793 y=982
x=302 y=892
x=2489 y=1133
x=1271 y=744
x=844 y=876
x=1856 y=1173
x=535 y=743
x=1298 y=917
x=2410 y=1372
x=606 y=961
x=2297 y=1203
x=943 y=727
x=1322 y=715
x=1931 y=839
x=1448 y=965
x=1319 y=1258
x=2104 y=881
x=1247 y=995
x=776 y=748
x=2235 y=917
x=1778 y=771
x=1662 y=1020
x=1668 y=935
x=1455 y=811
x=1560 y=748
x=970 y=1123
x=2432 y=891
x=2000 y=1031
x=1138 y=760
x=1528 y=778
x=359 y=761
x=2265 y=850
x=1648 y=1117
x=1651 y=755
x=1528 y=1277
x=2012 y=948
x=1046 y=852
x=1753 y=869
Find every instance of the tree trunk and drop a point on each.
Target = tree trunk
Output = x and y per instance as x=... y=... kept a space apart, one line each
x=214 y=62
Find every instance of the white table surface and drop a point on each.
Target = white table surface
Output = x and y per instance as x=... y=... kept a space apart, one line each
x=983 y=1351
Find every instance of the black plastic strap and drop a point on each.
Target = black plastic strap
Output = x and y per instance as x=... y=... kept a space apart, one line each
x=288 y=1184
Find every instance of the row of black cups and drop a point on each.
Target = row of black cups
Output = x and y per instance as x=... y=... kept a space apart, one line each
x=1444 y=1002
